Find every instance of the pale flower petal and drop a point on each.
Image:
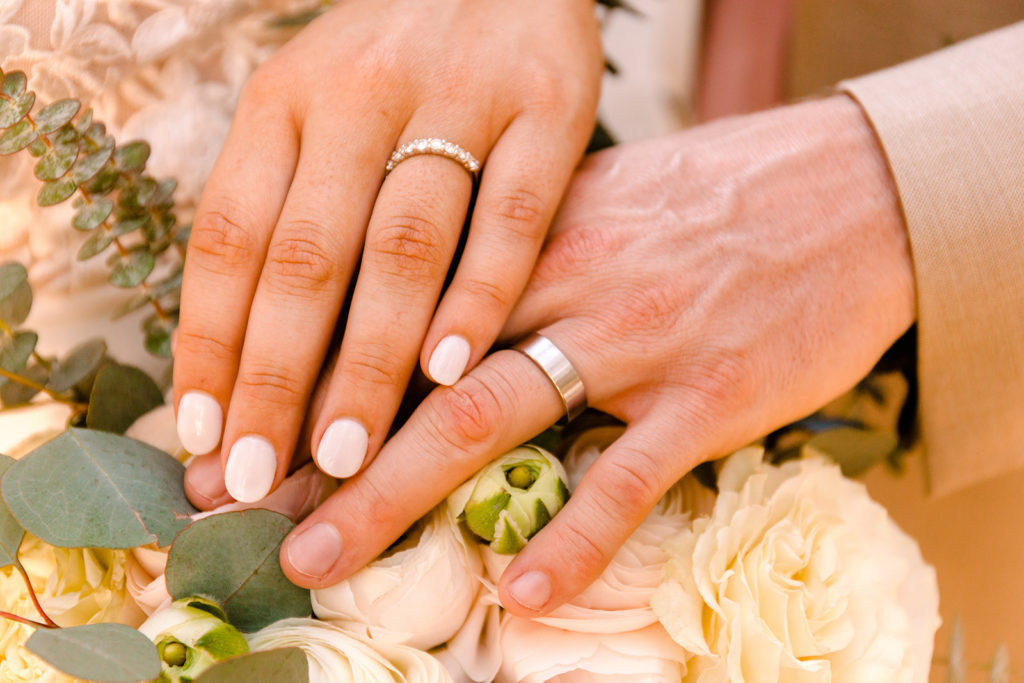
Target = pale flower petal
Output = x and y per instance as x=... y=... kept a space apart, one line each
x=798 y=575
x=337 y=656
x=418 y=593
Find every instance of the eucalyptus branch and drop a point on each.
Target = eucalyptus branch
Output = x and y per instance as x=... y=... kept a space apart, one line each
x=23 y=620
x=35 y=599
x=25 y=381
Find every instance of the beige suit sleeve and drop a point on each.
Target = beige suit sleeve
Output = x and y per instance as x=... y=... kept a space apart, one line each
x=952 y=126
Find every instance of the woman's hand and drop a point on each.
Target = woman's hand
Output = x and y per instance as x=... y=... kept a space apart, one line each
x=298 y=201
x=708 y=287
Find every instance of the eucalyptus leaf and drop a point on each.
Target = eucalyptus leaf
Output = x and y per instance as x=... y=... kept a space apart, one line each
x=105 y=653
x=56 y=191
x=120 y=395
x=17 y=137
x=15 y=307
x=91 y=164
x=12 y=276
x=99 y=241
x=11 y=533
x=15 y=352
x=90 y=489
x=127 y=225
x=84 y=122
x=132 y=156
x=131 y=269
x=65 y=135
x=104 y=181
x=169 y=285
x=90 y=216
x=158 y=335
x=14 y=109
x=16 y=393
x=37 y=148
x=164 y=195
x=84 y=360
x=232 y=558
x=14 y=83
x=56 y=162
x=855 y=450
x=52 y=117
x=288 y=665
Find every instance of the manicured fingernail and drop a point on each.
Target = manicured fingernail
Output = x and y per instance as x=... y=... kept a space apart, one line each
x=449 y=360
x=342 y=448
x=199 y=422
x=315 y=550
x=531 y=590
x=251 y=467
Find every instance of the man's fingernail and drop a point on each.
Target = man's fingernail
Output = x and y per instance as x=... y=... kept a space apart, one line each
x=251 y=467
x=199 y=422
x=342 y=448
x=314 y=551
x=449 y=360
x=531 y=590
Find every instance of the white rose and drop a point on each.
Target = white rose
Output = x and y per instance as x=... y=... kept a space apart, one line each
x=798 y=575
x=337 y=656
x=418 y=593
x=535 y=653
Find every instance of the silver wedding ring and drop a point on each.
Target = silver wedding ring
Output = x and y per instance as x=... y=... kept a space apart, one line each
x=437 y=147
x=559 y=370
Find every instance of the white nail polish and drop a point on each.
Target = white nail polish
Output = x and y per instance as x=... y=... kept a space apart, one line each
x=251 y=467
x=200 y=420
x=342 y=448
x=449 y=360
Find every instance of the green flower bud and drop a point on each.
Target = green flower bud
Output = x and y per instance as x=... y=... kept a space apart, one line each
x=192 y=635
x=514 y=497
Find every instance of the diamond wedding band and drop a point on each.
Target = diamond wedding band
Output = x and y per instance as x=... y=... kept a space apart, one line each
x=559 y=370
x=437 y=147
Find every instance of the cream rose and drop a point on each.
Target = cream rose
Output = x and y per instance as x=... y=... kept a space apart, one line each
x=75 y=586
x=418 y=593
x=798 y=575
x=535 y=653
x=337 y=655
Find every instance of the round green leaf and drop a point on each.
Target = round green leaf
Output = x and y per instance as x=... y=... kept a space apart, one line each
x=84 y=360
x=54 y=116
x=855 y=450
x=17 y=137
x=11 y=533
x=106 y=653
x=14 y=83
x=287 y=665
x=91 y=215
x=15 y=351
x=16 y=393
x=104 y=181
x=15 y=294
x=91 y=164
x=56 y=191
x=133 y=156
x=84 y=122
x=158 y=335
x=56 y=162
x=89 y=489
x=131 y=269
x=233 y=559
x=120 y=395
x=127 y=225
x=99 y=241
x=14 y=110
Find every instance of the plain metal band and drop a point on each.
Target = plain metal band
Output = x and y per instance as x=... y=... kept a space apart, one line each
x=437 y=147
x=559 y=370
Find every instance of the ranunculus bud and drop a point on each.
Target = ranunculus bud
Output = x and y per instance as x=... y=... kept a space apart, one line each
x=512 y=498
x=191 y=635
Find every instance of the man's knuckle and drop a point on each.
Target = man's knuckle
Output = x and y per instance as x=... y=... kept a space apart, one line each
x=408 y=244
x=574 y=252
x=469 y=412
x=222 y=240
x=300 y=264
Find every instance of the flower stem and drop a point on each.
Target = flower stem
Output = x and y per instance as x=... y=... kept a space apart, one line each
x=35 y=599
x=15 y=377
x=23 y=620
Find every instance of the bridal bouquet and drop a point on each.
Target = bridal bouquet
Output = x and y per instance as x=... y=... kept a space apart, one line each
x=771 y=565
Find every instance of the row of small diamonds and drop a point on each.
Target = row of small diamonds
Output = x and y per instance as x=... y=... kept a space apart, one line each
x=433 y=146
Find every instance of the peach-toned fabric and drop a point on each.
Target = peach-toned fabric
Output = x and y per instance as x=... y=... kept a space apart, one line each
x=952 y=127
